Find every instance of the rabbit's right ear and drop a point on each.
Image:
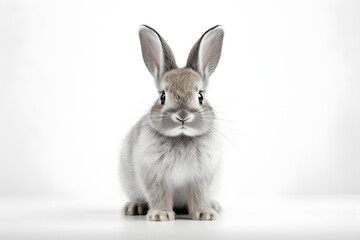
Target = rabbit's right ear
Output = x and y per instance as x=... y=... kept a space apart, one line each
x=205 y=54
x=157 y=54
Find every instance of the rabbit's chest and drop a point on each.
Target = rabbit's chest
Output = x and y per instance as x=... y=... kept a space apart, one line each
x=181 y=167
x=176 y=160
x=178 y=163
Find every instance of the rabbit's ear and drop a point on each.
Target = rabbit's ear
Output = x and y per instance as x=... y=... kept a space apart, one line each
x=157 y=54
x=205 y=54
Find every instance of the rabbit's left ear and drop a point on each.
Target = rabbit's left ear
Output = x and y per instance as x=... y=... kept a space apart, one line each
x=205 y=54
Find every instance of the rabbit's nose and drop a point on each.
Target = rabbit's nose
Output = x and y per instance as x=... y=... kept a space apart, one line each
x=183 y=116
x=182 y=120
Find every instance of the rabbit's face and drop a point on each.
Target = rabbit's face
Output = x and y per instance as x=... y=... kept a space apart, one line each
x=181 y=108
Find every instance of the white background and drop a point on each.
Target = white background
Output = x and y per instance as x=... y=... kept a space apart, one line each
x=73 y=82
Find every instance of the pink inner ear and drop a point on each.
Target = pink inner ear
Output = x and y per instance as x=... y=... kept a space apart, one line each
x=155 y=55
x=208 y=53
x=154 y=51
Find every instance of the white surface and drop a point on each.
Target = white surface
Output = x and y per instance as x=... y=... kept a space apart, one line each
x=336 y=217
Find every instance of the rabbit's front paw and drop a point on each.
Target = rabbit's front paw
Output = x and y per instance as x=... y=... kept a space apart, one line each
x=135 y=208
x=204 y=214
x=160 y=215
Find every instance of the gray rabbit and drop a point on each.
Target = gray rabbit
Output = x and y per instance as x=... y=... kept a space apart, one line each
x=171 y=156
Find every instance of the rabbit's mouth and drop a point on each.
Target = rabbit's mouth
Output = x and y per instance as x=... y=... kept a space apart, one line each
x=186 y=130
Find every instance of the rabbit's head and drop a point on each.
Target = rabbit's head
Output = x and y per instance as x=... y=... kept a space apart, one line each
x=182 y=108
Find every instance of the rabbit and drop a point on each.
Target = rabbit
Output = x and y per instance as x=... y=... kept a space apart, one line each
x=170 y=158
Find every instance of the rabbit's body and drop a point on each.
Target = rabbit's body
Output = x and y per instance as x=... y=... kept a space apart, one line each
x=171 y=156
x=175 y=161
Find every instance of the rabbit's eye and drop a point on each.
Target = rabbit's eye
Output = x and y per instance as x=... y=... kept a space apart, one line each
x=201 y=98
x=162 y=98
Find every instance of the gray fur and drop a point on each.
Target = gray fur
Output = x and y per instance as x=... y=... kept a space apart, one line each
x=167 y=163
